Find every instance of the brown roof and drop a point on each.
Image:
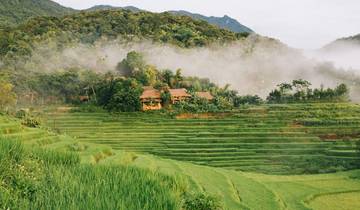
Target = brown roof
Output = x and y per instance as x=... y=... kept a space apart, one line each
x=150 y=92
x=206 y=95
x=179 y=93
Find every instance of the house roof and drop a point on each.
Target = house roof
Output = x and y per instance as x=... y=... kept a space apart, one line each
x=179 y=93
x=150 y=92
x=206 y=95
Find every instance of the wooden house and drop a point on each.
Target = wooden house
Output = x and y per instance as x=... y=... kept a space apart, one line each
x=150 y=99
x=205 y=95
x=178 y=95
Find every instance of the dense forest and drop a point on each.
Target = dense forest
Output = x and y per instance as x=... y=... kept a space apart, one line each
x=57 y=33
x=88 y=27
x=18 y=11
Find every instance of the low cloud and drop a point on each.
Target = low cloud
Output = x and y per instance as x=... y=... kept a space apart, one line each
x=251 y=66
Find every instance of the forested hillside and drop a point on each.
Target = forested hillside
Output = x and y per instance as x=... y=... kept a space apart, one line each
x=13 y=12
x=88 y=27
x=225 y=22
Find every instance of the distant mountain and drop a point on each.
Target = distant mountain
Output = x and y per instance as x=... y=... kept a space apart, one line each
x=225 y=22
x=108 y=7
x=13 y=12
x=355 y=38
x=346 y=41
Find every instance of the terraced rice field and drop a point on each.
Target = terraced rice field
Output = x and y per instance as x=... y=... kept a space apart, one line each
x=281 y=139
x=238 y=190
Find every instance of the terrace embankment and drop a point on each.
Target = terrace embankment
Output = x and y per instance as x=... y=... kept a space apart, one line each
x=258 y=139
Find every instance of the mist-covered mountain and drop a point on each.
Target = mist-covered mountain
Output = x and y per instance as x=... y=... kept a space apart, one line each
x=343 y=53
x=225 y=22
x=13 y=12
x=346 y=41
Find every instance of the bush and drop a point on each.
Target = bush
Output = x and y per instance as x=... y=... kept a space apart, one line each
x=31 y=122
x=202 y=201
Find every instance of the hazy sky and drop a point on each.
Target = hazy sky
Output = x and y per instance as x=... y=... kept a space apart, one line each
x=306 y=24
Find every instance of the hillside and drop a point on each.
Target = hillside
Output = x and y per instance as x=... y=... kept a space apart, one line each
x=54 y=160
x=355 y=39
x=343 y=43
x=13 y=12
x=89 y=27
x=275 y=139
x=225 y=22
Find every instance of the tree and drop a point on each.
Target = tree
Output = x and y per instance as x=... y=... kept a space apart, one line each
x=342 y=92
x=126 y=97
x=133 y=62
x=178 y=78
x=7 y=96
x=167 y=76
x=301 y=87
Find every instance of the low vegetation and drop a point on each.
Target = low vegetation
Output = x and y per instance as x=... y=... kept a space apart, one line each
x=41 y=179
x=282 y=139
x=234 y=190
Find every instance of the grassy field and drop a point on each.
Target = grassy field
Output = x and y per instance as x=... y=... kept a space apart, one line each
x=277 y=139
x=36 y=178
x=107 y=144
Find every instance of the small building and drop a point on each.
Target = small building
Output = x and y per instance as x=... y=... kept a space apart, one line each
x=205 y=95
x=150 y=99
x=178 y=95
x=84 y=98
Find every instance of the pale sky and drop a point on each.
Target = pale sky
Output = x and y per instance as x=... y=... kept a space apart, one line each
x=306 y=24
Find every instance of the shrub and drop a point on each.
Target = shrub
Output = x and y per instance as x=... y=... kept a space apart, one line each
x=31 y=122
x=202 y=201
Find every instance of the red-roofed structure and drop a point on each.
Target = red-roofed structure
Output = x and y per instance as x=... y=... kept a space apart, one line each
x=150 y=99
x=178 y=95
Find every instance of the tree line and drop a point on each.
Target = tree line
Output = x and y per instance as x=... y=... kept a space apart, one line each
x=120 y=90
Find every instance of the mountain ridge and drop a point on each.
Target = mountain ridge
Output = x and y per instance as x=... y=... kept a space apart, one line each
x=15 y=12
x=224 y=22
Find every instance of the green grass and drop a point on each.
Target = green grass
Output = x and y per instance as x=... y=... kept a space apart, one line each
x=44 y=179
x=281 y=139
x=142 y=152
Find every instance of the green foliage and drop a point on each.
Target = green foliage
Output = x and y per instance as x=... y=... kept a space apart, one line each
x=15 y=12
x=31 y=121
x=125 y=97
x=248 y=99
x=300 y=91
x=202 y=201
x=133 y=62
x=44 y=179
x=225 y=22
x=88 y=27
x=7 y=95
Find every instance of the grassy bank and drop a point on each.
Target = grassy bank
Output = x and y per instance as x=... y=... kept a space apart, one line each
x=40 y=179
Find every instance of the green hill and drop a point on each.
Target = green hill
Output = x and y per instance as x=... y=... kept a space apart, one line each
x=225 y=22
x=88 y=27
x=47 y=174
x=13 y=12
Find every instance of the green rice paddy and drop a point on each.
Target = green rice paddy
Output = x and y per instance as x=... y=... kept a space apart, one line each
x=269 y=157
x=277 y=139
